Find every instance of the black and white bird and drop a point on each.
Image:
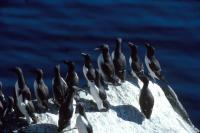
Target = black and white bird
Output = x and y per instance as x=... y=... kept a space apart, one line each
x=106 y=66
x=72 y=78
x=153 y=64
x=146 y=99
x=1 y=115
x=67 y=110
x=7 y=102
x=88 y=69
x=10 y=106
x=100 y=92
x=137 y=68
x=119 y=61
x=60 y=87
x=41 y=89
x=82 y=123
x=2 y=96
x=23 y=97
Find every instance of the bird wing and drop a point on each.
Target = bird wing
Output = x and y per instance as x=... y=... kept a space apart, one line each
x=42 y=92
x=107 y=69
x=155 y=65
x=91 y=75
x=120 y=63
x=102 y=94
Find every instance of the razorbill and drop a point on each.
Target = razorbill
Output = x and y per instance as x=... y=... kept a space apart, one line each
x=88 y=69
x=60 y=87
x=119 y=61
x=106 y=66
x=152 y=63
x=72 y=78
x=82 y=123
x=23 y=96
x=67 y=110
x=41 y=89
x=146 y=99
x=137 y=68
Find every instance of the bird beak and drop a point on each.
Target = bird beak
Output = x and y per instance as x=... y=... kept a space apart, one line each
x=96 y=49
x=83 y=54
x=65 y=61
x=130 y=44
x=147 y=45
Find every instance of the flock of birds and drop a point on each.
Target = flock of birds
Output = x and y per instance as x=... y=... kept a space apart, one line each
x=111 y=70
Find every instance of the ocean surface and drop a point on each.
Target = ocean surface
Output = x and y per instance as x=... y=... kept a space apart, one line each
x=39 y=34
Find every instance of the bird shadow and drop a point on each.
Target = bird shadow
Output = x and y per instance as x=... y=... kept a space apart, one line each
x=14 y=123
x=52 y=107
x=91 y=105
x=129 y=113
x=36 y=128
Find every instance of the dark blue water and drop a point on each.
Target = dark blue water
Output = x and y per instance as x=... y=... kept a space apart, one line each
x=36 y=33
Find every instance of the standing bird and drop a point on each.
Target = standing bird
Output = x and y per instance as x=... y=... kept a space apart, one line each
x=1 y=115
x=146 y=99
x=23 y=97
x=60 y=87
x=67 y=110
x=82 y=123
x=88 y=69
x=7 y=103
x=106 y=66
x=72 y=78
x=41 y=89
x=119 y=61
x=2 y=96
x=137 y=68
x=101 y=93
x=152 y=63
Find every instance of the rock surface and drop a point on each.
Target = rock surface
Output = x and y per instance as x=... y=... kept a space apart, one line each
x=124 y=115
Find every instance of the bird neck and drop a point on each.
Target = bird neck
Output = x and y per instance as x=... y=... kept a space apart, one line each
x=134 y=56
x=57 y=76
x=39 y=78
x=145 y=86
x=106 y=56
x=88 y=64
x=82 y=113
x=21 y=79
x=118 y=50
x=150 y=54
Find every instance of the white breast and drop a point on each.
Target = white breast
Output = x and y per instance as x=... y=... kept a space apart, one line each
x=81 y=124
x=85 y=70
x=36 y=92
x=113 y=55
x=94 y=90
x=21 y=105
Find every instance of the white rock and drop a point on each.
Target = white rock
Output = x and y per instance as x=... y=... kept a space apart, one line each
x=125 y=116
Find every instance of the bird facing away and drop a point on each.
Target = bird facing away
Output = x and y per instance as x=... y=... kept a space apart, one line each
x=146 y=99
